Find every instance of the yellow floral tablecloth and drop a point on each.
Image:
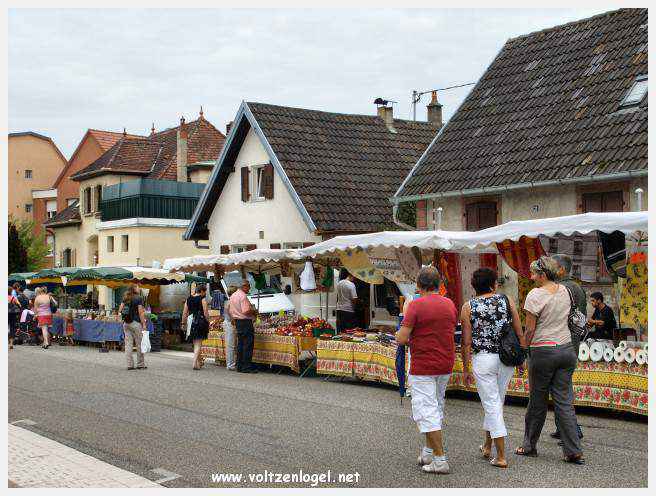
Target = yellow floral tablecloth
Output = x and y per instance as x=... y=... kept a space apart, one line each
x=270 y=349
x=615 y=386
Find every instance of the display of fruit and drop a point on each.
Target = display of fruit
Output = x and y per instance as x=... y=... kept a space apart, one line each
x=303 y=327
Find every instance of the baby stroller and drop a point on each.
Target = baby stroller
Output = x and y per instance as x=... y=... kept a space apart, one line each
x=28 y=332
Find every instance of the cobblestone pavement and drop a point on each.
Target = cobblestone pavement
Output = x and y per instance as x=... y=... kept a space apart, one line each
x=36 y=461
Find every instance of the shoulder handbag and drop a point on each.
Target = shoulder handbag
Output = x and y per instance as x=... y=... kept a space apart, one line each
x=576 y=321
x=53 y=305
x=510 y=351
x=199 y=324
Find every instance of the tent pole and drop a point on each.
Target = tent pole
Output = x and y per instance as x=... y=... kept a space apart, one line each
x=328 y=272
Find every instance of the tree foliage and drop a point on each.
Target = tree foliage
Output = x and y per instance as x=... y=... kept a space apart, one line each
x=34 y=244
x=408 y=213
x=16 y=254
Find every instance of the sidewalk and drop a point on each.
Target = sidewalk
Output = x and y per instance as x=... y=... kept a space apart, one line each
x=36 y=461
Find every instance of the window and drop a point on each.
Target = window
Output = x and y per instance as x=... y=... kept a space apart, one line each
x=87 y=200
x=607 y=201
x=28 y=207
x=50 y=242
x=238 y=248
x=124 y=242
x=97 y=197
x=257 y=183
x=110 y=244
x=636 y=93
x=51 y=208
x=67 y=259
x=292 y=246
x=28 y=173
x=70 y=201
x=481 y=215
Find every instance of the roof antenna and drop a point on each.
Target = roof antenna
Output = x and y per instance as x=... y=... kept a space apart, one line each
x=201 y=111
x=124 y=132
x=152 y=129
x=182 y=120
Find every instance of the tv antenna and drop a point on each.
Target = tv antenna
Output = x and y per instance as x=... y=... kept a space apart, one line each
x=416 y=96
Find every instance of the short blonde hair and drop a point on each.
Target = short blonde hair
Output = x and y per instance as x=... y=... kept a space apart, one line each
x=546 y=266
x=40 y=290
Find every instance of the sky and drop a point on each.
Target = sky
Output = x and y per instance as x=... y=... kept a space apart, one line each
x=70 y=70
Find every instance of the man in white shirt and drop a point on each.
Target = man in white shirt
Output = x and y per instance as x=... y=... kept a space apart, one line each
x=346 y=298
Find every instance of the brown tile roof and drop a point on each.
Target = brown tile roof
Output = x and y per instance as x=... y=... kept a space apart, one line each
x=69 y=216
x=107 y=139
x=155 y=156
x=343 y=167
x=547 y=108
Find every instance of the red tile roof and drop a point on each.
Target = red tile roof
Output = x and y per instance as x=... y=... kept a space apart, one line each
x=155 y=156
x=107 y=139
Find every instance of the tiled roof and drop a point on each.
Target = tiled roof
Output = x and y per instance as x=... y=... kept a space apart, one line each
x=107 y=139
x=155 y=156
x=343 y=167
x=70 y=215
x=547 y=108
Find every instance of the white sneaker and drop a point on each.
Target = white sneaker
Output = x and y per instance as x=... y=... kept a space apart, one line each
x=437 y=467
x=423 y=459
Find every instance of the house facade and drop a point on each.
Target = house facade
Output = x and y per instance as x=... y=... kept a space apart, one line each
x=556 y=126
x=136 y=199
x=290 y=177
x=34 y=162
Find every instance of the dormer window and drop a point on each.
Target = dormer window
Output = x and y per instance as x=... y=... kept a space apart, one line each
x=636 y=93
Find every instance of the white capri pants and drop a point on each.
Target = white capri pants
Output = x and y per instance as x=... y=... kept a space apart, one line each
x=428 y=400
x=492 y=378
x=230 y=344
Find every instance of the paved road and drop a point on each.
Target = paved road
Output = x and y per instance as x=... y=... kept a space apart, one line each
x=196 y=423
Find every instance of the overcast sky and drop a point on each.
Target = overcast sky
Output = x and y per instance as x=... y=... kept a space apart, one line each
x=70 y=70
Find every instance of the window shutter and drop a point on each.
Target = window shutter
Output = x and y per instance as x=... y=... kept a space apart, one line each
x=613 y=201
x=74 y=257
x=308 y=243
x=250 y=247
x=487 y=215
x=471 y=213
x=225 y=249
x=592 y=203
x=245 y=195
x=268 y=182
x=274 y=246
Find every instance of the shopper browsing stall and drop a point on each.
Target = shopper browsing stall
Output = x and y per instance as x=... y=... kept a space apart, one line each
x=347 y=298
x=243 y=314
x=133 y=314
x=196 y=307
x=428 y=327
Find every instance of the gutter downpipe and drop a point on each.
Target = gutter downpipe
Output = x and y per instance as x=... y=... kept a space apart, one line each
x=529 y=185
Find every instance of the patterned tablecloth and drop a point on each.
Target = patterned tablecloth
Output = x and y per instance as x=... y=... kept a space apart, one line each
x=270 y=349
x=616 y=386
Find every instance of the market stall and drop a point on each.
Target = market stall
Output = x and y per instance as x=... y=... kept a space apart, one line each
x=92 y=330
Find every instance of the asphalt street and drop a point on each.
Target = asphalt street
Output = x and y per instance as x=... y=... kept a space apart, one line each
x=175 y=424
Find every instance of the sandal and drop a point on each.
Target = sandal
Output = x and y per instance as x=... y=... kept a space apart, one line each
x=495 y=463
x=531 y=453
x=485 y=455
x=575 y=459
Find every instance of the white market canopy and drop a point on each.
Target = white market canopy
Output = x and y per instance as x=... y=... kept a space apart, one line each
x=455 y=241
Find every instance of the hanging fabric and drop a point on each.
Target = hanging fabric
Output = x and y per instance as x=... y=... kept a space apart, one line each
x=519 y=254
x=614 y=249
x=357 y=263
x=308 y=283
x=633 y=302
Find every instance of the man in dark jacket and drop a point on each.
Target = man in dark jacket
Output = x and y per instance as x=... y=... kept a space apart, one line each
x=565 y=278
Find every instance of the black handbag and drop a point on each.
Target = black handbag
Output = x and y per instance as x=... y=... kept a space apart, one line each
x=53 y=305
x=510 y=351
x=577 y=322
x=199 y=324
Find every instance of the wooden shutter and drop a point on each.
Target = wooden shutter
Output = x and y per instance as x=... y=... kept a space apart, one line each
x=306 y=244
x=274 y=246
x=245 y=194
x=250 y=247
x=225 y=249
x=471 y=212
x=592 y=202
x=267 y=177
x=613 y=201
x=480 y=215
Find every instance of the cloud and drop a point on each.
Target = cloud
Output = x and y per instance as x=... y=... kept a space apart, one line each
x=70 y=70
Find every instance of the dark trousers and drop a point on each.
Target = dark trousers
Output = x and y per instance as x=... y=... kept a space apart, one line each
x=345 y=320
x=245 y=342
x=550 y=371
x=13 y=324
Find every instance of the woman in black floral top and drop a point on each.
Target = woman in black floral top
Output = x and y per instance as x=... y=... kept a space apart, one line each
x=483 y=319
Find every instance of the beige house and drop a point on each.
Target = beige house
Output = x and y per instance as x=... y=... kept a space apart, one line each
x=136 y=199
x=537 y=137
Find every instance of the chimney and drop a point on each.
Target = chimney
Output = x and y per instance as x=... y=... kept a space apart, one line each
x=387 y=114
x=152 y=129
x=229 y=127
x=434 y=111
x=182 y=152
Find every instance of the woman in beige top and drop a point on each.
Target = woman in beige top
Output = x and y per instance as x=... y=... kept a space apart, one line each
x=552 y=361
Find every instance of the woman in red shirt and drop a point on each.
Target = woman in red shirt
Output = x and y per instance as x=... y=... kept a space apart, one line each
x=428 y=327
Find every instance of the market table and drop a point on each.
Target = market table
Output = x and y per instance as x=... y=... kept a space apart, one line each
x=615 y=386
x=268 y=348
x=94 y=331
